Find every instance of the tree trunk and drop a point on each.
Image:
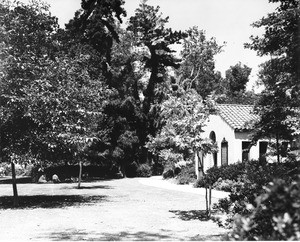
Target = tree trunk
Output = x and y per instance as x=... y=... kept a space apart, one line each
x=14 y=184
x=80 y=173
x=277 y=149
x=200 y=164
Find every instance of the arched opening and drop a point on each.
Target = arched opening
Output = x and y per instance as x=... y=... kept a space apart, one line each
x=212 y=136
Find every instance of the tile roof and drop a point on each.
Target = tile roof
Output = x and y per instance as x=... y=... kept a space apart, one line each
x=237 y=116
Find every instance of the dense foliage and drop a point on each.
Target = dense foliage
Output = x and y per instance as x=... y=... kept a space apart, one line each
x=187 y=174
x=98 y=93
x=48 y=92
x=232 y=89
x=264 y=201
x=275 y=215
x=237 y=77
x=26 y=50
x=268 y=208
x=197 y=68
x=183 y=115
x=227 y=172
x=138 y=77
x=250 y=179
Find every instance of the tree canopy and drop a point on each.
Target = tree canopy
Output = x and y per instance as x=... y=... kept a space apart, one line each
x=95 y=88
x=278 y=106
x=198 y=65
x=50 y=99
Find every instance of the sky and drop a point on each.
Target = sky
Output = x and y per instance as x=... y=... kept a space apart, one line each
x=226 y=20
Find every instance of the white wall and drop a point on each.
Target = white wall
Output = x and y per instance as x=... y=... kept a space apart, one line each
x=221 y=129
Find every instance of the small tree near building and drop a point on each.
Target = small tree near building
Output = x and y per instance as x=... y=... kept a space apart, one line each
x=183 y=116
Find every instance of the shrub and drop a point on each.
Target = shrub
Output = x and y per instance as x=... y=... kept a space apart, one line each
x=223 y=185
x=276 y=215
x=144 y=170
x=4 y=169
x=249 y=185
x=228 y=172
x=186 y=175
x=19 y=169
x=200 y=182
x=177 y=171
x=157 y=168
x=131 y=169
x=66 y=172
x=168 y=173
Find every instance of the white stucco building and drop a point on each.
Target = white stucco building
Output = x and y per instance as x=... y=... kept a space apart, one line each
x=229 y=127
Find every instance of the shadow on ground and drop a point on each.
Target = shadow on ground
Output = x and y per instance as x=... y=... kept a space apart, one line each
x=191 y=215
x=47 y=201
x=80 y=235
x=94 y=187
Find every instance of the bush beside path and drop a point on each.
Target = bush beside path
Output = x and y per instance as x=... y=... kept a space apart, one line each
x=125 y=209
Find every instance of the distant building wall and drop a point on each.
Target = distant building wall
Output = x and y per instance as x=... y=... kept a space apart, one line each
x=235 y=141
x=222 y=130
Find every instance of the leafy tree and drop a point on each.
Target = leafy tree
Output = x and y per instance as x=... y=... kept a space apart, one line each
x=118 y=139
x=281 y=41
x=89 y=37
x=50 y=100
x=148 y=27
x=87 y=45
x=183 y=115
x=280 y=75
x=94 y=29
x=246 y=98
x=273 y=108
x=138 y=70
x=70 y=103
x=236 y=78
x=26 y=49
x=233 y=88
x=198 y=66
x=274 y=216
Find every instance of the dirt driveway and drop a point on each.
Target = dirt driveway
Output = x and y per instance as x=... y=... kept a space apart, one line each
x=125 y=209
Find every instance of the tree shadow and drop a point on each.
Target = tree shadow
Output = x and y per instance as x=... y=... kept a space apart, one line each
x=48 y=201
x=73 y=234
x=79 y=235
x=212 y=237
x=68 y=234
x=93 y=187
x=191 y=215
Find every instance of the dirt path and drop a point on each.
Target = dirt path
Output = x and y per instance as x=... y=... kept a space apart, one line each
x=126 y=209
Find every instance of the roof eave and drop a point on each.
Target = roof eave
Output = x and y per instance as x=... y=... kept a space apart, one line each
x=243 y=130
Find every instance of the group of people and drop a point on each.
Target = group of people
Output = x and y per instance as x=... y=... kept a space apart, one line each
x=55 y=179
